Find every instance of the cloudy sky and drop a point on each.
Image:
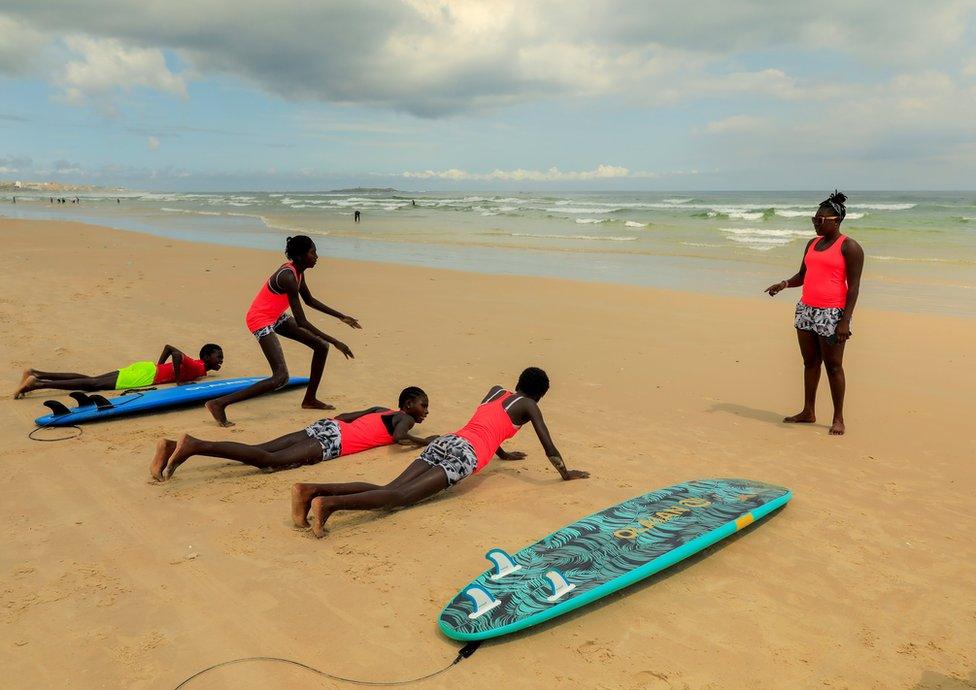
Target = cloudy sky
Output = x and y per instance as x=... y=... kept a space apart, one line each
x=506 y=94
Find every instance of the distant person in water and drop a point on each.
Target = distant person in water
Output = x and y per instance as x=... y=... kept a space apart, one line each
x=830 y=274
x=446 y=461
x=182 y=369
x=267 y=318
x=356 y=216
x=326 y=439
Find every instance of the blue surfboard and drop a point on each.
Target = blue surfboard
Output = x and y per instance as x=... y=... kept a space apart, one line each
x=95 y=407
x=603 y=553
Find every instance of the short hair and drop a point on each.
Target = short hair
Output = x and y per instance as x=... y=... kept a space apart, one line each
x=298 y=246
x=534 y=382
x=208 y=349
x=410 y=393
x=835 y=202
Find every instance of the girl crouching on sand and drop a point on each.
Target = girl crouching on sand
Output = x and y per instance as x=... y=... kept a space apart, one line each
x=446 y=461
x=345 y=434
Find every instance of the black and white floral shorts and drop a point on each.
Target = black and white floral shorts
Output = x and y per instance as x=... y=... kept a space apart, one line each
x=820 y=320
x=452 y=454
x=329 y=436
x=268 y=330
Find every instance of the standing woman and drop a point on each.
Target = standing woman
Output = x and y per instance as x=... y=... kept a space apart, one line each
x=830 y=274
x=267 y=317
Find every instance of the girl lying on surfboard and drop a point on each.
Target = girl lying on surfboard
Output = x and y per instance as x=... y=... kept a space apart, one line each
x=182 y=369
x=267 y=316
x=344 y=434
x=444 y=462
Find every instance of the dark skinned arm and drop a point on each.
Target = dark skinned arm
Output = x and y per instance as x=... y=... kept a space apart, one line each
x=854 y=257
x=532 y=411
x=324 y=308
x=353 y=416
x=289 y=284
x=402 y=435
x=177 y=355
x=797 y=279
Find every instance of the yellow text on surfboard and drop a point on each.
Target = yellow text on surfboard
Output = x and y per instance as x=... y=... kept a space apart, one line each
x=660 y=517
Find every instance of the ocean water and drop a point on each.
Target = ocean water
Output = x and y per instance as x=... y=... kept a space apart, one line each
x=920 y=246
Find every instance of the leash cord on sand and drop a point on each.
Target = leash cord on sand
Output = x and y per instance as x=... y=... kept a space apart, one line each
x=465 y=651
x=60 y=438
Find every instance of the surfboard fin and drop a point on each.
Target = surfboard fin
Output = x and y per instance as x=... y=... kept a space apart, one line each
x=58 y=409
x=481 y=599
x=82 y=399
x=504 y=565
x=559 y=585
x=101 y=402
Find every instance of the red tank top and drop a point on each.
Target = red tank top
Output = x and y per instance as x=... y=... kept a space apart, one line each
x=825 y=281
x=190 y=370
x=268 y=305
x=489 y=426
x=368 y=431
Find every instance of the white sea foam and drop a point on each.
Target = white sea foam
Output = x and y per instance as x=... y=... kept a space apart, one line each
x=766 y=232
x=883 y=207
x=854 y=216
x=583 y=221
x=678 y=201
x=635 y=224
x=576 y=209
x=786 y=213
x=192 y=211
x=610 y=238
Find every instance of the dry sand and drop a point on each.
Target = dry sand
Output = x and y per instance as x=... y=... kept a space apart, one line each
x=866 y=580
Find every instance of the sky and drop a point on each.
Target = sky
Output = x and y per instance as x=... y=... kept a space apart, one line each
x=507 y=94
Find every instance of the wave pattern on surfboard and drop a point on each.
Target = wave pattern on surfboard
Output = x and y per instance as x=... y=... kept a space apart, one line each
x=611 y=549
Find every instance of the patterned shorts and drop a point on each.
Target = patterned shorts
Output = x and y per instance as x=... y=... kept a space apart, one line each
x=268 y=330
x=820 y=320
x=329 y=436
x=452 y=454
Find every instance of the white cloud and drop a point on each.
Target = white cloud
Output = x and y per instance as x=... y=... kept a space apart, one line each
x=107 y=66
x=437 y=57
x=19 y=46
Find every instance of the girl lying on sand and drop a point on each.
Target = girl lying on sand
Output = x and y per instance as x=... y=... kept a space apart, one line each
x=446 y=461
x=325 y=439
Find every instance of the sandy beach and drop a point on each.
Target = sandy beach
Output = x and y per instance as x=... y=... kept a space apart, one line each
x=867 y=579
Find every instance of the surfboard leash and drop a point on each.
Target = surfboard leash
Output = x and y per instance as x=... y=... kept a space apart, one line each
x=465 y=651
x=60 y=438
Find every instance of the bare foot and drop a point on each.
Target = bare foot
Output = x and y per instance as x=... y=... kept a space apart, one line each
x=26 y=385
x=217 y=410
x=301 y=502
x=320 y=513
x=801 y=418
x=164 y=448
x=182 y=451
x=315 y=404
x=837 y=428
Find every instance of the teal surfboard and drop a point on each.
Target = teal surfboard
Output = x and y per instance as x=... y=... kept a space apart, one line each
x=603 y=553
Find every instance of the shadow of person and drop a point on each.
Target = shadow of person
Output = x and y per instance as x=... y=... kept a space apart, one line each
x=933 y=680
x=750 y=412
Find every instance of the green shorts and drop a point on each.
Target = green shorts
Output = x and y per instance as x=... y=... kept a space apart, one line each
x=136 y=375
